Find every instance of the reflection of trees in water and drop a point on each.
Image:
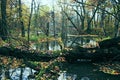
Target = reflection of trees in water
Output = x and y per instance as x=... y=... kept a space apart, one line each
x=81 y=41
x=10 y=68
x=50 y=45
x=71 y=41
x=16 y=74
x=85 y=78
x=88 y=71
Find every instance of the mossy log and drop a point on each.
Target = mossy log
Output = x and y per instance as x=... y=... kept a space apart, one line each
x=114 y=42
x=107 y=51
x=24 y=54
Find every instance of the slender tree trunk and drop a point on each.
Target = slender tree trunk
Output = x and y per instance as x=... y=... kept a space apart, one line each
x=47 y=33
x=3 y=27
x=37 y=12
x=117 y=19
x=102 y=25
x=21 y=21
x=116 y=28
x=82 y=17
x=90 y=19
x=53 y=17
x=63 y=34
x=30 y=24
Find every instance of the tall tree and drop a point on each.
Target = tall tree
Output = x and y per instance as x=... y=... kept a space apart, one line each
x=116 y=10
x=3 y=27
x=91 y=17
x=21 y=21
x=29 y=24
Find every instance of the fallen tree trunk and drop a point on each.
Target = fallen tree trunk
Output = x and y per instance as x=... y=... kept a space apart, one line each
x=108 y=50
x=114 y=42
x=24 y=54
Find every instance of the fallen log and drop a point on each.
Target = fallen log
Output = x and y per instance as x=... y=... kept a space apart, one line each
x=114 y=42
x=24 y=54
x=107 y=50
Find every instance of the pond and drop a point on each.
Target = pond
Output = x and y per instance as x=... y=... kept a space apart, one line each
x=76 y=71
x=86 y=71
x=70 y=42
x=17 y=74
x=80 y=70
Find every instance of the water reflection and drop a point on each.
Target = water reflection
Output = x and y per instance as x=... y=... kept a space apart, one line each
x=71 y=41
x=66 y=76
x=87 y=71
x=53 y=45
x=18 y=73
x=85 y=78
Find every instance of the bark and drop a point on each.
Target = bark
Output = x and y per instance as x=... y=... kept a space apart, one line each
x=29 y=24
x=90 y=20
x=110 y=43
x=3 y=27
x=71 y=22
x=21 y=21
x=102 y=22
x=47 y=34
x=109 y=49
x=116 y=28
x=82 y=18
x=26 y=54
x=64 y=28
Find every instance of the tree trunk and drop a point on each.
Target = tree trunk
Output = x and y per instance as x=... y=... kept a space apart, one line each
x=47 y=34
x=28 y=36
x=116 y=28
x=102 y=25
x=21 y=21
x=3 y=27
x=90 y=19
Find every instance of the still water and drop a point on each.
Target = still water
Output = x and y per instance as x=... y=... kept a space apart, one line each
x=86 y=71
x=70 y=42
x=70 y=71
x=18 y=73
x=76 y=71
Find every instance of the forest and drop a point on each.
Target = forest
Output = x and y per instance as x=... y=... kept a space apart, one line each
x=59 y=40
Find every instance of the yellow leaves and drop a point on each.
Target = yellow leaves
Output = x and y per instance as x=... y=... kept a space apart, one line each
x=1 y=42
x=45 y=10
x=25 y=15
x=8 y=62
x=5 y=60
x=109 y=70
x=16 y=63
x=61 y=59
x=13 y=12
x=42 y=78
x=44 y=65
x=56 y=68
x=113 y=69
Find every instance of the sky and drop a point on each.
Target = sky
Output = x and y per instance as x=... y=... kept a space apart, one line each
x=42 y=2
